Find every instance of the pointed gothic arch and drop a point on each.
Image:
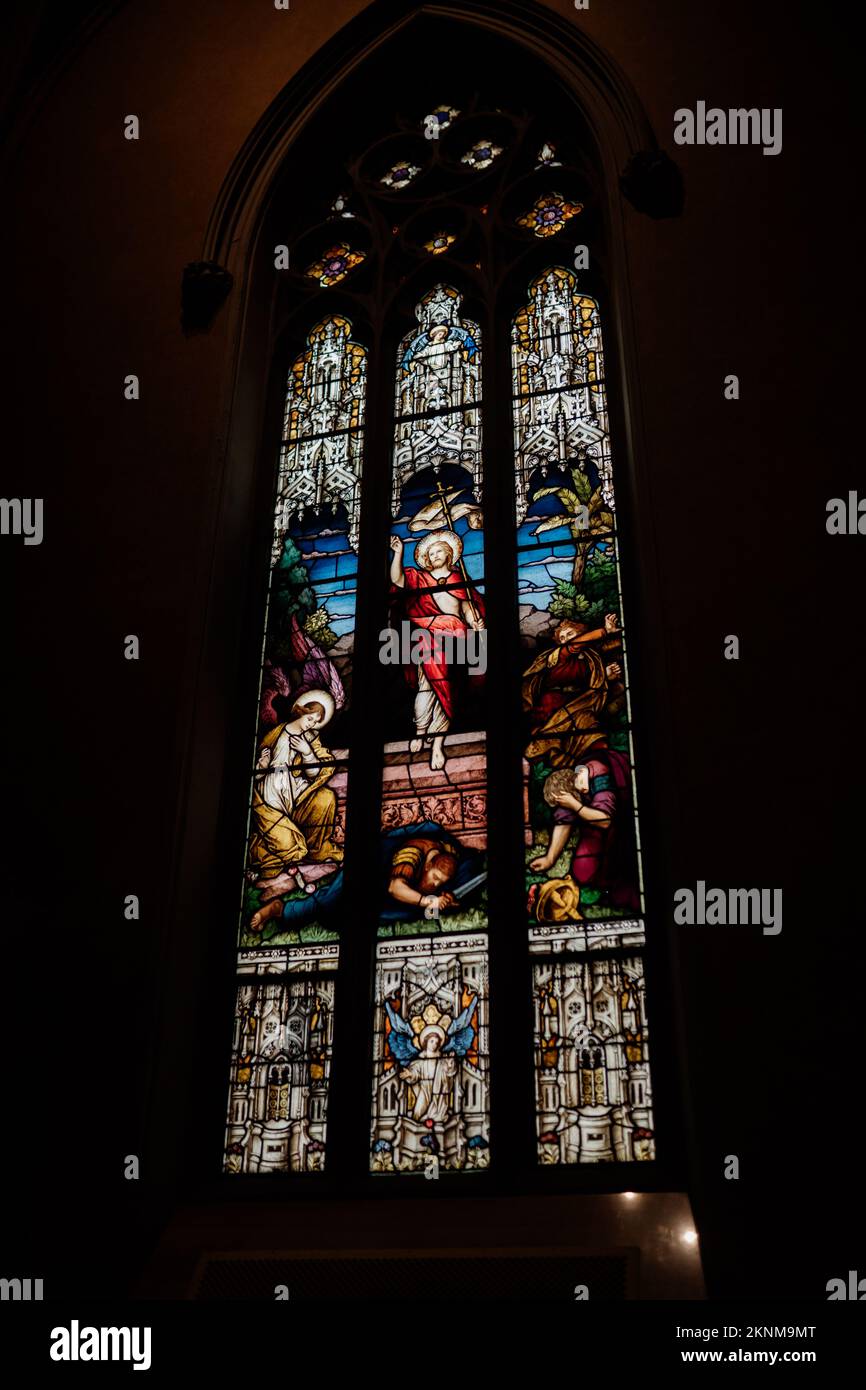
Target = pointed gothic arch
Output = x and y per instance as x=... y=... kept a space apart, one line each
x=267 y=327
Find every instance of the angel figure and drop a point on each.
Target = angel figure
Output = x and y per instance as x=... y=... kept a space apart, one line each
x=294 y=811
x=428 y=1057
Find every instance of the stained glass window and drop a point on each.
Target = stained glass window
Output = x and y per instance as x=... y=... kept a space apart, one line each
x=439 y=243
x=280 y=1073
x=335 y=264
x=583 y=873
x=547 y=158
x=439 y=119
x=430 y=1093
x=592 y=1079
x=401 y=175
x=482 y=154
x=496 y=341
x=549 y=214
x=293 y=878
x=431 y=1063
x=340 y=206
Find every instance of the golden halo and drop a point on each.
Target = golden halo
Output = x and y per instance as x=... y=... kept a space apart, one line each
x=320 y=697
x=448 y=538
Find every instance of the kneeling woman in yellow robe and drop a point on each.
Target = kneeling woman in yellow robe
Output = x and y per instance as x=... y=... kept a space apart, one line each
x=294 y=811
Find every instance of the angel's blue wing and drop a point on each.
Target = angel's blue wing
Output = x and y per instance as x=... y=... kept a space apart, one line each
x=467 y=341
x=400 y=1037
x=415 y=346
x=461 y=1034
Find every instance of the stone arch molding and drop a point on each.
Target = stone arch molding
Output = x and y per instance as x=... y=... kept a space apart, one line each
x=630 y=156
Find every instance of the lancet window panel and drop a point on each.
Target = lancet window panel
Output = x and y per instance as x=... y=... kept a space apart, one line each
x=438 y=394
x=322 y=454
x=431 y=1057
x=290 y=911
x=584 y=876
x=560 y=412
x=430 y=1097
x=592 y=1076
x=280 y=1073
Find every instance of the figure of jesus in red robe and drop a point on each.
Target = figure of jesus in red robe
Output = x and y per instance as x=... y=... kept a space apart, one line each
x=440 y=600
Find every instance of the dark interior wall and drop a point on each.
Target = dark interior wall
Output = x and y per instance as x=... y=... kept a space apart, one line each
x=755 y=278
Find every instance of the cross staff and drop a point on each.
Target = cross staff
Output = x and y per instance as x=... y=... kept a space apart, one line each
x=442 y=497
